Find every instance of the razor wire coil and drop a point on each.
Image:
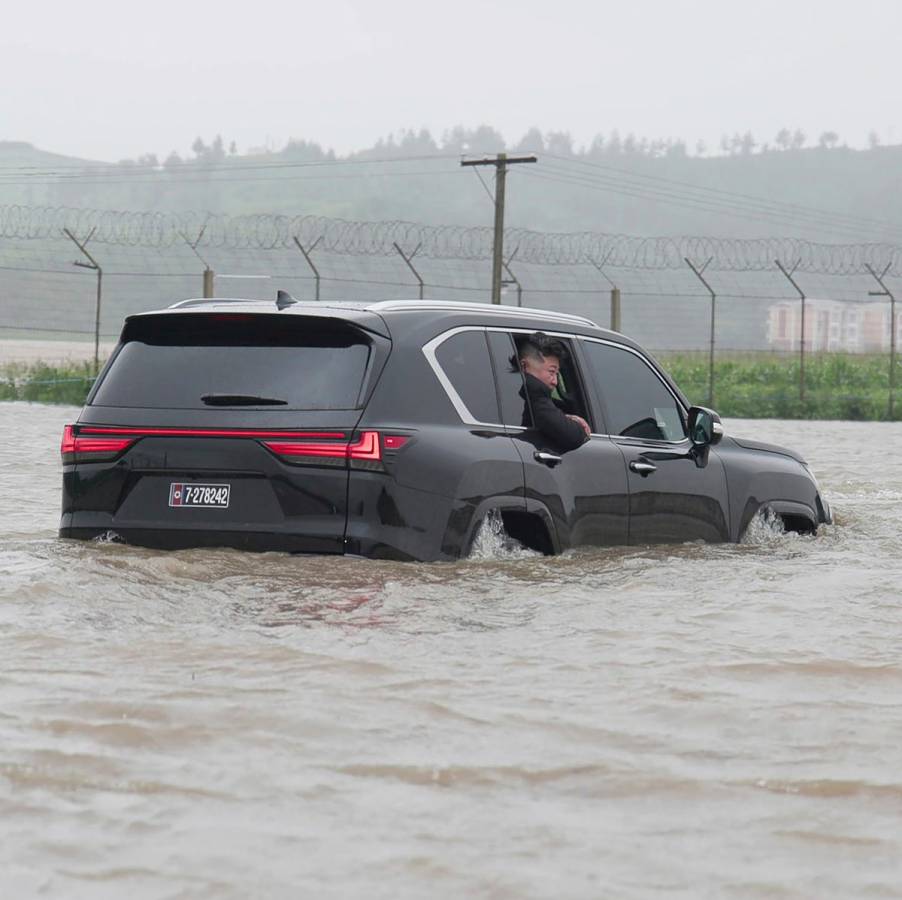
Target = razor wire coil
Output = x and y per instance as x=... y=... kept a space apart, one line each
x=161 y=230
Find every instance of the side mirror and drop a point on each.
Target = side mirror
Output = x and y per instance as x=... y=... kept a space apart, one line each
x=705 y=427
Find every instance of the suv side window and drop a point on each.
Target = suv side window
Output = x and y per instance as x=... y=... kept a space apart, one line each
x=568 y=395
x=511 y=392
x=637 y=402
x=465 y=361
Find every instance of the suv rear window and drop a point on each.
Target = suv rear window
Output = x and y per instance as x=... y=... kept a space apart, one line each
x=201 y=361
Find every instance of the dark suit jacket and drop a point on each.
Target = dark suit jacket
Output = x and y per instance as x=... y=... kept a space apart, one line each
x=564 y=433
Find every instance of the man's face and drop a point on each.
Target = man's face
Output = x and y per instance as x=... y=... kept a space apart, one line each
x=545 y=370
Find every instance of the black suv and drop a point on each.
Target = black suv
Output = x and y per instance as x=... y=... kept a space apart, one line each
x=393 y=429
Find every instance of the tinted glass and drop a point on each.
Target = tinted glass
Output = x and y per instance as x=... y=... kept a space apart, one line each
x=636 y=400
x=465 y=360
x=511 y=394
x=173 y=361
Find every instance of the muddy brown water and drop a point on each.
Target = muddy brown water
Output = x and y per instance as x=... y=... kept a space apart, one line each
x=682 y=721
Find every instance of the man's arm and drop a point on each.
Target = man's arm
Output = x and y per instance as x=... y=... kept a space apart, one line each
x=559 y=428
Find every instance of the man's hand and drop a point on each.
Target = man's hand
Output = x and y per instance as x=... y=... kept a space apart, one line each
x=582 y=423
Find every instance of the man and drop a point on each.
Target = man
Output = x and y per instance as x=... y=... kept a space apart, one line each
x=540 y=360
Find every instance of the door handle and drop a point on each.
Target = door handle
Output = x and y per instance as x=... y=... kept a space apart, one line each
x=643 y=468
x=550 y=459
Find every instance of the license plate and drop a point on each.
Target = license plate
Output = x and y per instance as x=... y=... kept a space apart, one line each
x=207 y=495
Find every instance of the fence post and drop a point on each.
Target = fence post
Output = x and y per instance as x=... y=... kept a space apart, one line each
x=511 y=278
x=700 y=275
x=208 y=283
x=801 y=294
x=209 y=274
x=306 y=252
x=615 y=309
x=886 y=292
x=615 y=291
x=408 y=259
x=92 y=264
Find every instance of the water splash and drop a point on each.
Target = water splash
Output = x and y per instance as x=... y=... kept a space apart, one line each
x=766 y=527
x=493 y=542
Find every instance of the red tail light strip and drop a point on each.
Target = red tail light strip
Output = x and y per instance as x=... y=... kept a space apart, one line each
x=75 y=443
x=102 y=445
x=211 y=432
x=367 y=447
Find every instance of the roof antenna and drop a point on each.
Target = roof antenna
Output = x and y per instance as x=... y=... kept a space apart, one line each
x=283 y=299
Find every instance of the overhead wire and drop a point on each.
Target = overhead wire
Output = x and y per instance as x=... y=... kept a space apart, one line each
x=748 y=201
x=705 y=204
x=189 y=177
x=225 y=164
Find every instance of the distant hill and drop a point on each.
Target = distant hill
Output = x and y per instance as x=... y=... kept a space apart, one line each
x=826 y=193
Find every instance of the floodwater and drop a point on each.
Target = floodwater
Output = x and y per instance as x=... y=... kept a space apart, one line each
x=688 y=721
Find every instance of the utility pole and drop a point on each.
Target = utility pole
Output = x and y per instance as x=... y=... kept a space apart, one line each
x=801 y=294
x=501 y=162
x=92 y=264
x=886 y=292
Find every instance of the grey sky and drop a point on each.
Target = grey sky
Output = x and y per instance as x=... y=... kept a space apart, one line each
x=108 y=80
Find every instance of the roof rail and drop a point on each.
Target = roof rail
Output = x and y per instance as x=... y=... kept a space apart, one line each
x=200 y=301
x=391 y=305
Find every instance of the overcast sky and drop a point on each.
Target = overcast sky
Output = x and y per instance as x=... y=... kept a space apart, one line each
x=108 y=79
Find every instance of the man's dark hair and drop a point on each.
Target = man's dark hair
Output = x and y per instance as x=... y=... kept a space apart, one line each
x=539 y=344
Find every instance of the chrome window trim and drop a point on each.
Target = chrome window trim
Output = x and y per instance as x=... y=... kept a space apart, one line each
x=654 y=371
x=467 y=418
x=429 y=351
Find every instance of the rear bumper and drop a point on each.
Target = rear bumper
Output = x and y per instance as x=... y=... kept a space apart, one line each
x=183 y=539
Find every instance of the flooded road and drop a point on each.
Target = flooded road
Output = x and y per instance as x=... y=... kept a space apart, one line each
x=688 y=721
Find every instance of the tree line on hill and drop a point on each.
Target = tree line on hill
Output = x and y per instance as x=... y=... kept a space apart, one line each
x=485 y=139
x=615 y=184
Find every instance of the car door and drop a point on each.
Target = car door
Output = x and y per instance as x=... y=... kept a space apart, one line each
x=584 y=490
x=674 y=495
x=469 y=456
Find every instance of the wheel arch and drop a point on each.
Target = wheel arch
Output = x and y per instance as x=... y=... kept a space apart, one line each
x=796 y=516
x=529 y=522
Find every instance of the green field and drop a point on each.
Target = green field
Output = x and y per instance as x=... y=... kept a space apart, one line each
x=766 y=386
x=755 y=386
x=41 y=383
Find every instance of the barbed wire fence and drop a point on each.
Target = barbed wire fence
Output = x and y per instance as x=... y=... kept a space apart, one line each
x=772 y=295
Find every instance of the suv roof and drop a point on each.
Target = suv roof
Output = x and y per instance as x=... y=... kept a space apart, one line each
x=389 y=306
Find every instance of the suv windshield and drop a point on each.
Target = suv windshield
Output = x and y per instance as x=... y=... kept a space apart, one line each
x=199 y=361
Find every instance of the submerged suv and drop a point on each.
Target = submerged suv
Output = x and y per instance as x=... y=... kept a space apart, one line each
x=393 y=429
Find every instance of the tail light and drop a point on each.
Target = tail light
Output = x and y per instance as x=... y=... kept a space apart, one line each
x=93 y=443
x=367 y=449
x=84 y=448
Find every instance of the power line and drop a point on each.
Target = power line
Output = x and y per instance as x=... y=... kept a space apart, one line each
x=703 y=204
x=178 y=178
x=224 y=165
x=748 y=200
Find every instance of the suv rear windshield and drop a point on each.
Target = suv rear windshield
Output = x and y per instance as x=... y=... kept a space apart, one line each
x=202 y=361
